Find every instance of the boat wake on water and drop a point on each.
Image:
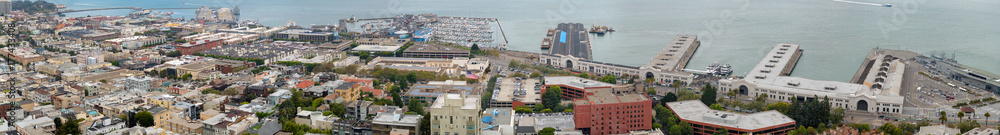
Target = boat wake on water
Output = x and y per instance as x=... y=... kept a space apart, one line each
x=864 y=3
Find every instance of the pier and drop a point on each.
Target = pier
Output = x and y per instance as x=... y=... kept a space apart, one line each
x=505 y=41
x=571 y=39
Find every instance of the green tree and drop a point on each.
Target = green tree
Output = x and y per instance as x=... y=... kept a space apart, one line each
x=987 y=118
x=59 y=124
x=316 y=102
x=474 y=48
x=810 y=113
x=568 y=110
x=717 y=107
x=860 y=127
x=722 y=131
x=546 y=110
x=890 y=129
x=609 y=79
x=584 y=75
x=144 y=118
x=965 y=126
x=173 y=54
x=547 y=131
x=682 y=128
x=261 y=115
x=670 y=97
x=523 y=109
x=780 y=107
x=104 y=81
x=396 y=99
x=908 y=128
x=676 y=84
x=69 y=127
x=943 y=117
x=837 y=115
x=153 y=72
x=415 y=106
x=186 y=76
x=338 y=109
x=552 y=96
x=960 y=116
x=708 y=94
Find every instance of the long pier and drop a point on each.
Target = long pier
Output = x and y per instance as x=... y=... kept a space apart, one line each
x=501 y=31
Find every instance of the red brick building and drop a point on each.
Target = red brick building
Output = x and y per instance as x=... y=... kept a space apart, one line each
x=574 y=87
x=611 y=111
x=192 y=47
x=707 y=121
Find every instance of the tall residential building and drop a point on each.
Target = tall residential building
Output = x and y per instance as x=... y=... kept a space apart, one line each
x=611 y=110
x=5 y=7
x=138 y=83
x=453 y=114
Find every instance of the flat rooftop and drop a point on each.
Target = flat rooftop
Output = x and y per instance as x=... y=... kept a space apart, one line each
x=563 y=121
x=436 y=90
x=434 y=48
x=606 y=96
x=198 y=65
x=575 y=81
x=376 y=48
x=469 y=102
x=694 y=110
x=571 y=39
x=672 y=57
x=979 y=74
x=397 y=119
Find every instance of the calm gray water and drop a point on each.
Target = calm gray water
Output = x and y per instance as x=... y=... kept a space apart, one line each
x=835 y=35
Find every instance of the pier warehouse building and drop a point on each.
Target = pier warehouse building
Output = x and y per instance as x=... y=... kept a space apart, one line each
x=878 y=92
x=665 y=67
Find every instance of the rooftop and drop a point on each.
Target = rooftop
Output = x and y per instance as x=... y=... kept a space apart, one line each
x=671 y=56
x=376 y=48
x=435 y=90
x=609 y=96
x=434 y=48
x=560 y=121
x=452 y=99
x=694 y=110
x=574 y=81
x=304 y=32
x=397 y=118
x=571 y=39
x=197 y=65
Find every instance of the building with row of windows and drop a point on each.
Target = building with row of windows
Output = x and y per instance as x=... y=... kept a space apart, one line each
x=706 y=121
x=665 y=67
x=877 y=89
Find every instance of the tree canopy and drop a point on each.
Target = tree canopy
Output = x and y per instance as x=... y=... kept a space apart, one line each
x=552 y=96
x=144 y=118
x=609 y=79
x=708 y=94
